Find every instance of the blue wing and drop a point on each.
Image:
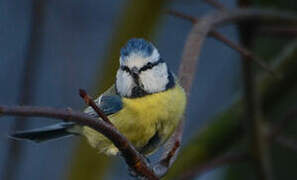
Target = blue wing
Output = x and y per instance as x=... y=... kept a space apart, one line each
x=109 y=104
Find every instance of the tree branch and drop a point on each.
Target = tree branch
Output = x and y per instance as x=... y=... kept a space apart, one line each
x=216 y=4
x=278 y=31
x=134 y=159
x=225 y=159
x=215 y=34
x=190 y=59
x=226 y=127
x=256 y=129
x=278 y=127
x=286 y=142
x=255 y=126
x=89 y=101
x=186 y=73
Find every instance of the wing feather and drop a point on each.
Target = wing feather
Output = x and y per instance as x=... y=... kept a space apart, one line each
x=109 y=102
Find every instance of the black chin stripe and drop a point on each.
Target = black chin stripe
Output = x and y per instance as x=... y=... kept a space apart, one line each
x=138 y=92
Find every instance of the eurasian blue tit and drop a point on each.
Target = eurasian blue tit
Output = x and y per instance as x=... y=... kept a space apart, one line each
x=145 y=104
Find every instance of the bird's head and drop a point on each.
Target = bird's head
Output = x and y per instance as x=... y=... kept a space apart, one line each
x=142 y=71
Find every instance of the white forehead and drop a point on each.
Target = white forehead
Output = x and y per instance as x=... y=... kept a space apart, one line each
x=139 y=60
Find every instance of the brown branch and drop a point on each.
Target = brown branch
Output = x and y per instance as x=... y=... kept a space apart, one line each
x=183 y=16
x=190 y=59
x=133 y=159
x=286 y=142
x=228 y=158
x=243 y=51
x=187 y=70
x=89 y=101
x=283 y=31
x=259 y=147
x=216 y=4
x=186 y=74
x=278 y=127
x=258 y=144
x=170 y=153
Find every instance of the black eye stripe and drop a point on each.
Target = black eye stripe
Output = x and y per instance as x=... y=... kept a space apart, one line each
x=149 y=65
x=125 y=68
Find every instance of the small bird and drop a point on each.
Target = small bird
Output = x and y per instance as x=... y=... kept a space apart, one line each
x=145 y=104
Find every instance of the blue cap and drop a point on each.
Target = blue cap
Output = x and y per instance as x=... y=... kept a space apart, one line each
x=138 y=46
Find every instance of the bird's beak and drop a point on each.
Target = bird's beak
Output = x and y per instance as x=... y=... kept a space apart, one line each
x=135 y=71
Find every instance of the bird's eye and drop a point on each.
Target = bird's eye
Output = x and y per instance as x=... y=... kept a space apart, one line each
x=149 y=65
x=125 y=68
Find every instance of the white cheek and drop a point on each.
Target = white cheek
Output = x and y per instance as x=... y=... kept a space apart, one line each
x=156 y=79
x=124 y=83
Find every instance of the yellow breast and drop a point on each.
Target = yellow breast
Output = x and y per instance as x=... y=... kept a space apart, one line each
x=142 y=117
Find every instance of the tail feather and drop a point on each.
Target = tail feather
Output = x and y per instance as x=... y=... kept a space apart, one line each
x=45 y=133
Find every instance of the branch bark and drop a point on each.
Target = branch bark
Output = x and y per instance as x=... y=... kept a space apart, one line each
x=220 y=37
x=254 y=122
x=228 y=158
x=89 y=101
x=256 y=126
x=190 y=59
x=225 y=128
x=134 y=159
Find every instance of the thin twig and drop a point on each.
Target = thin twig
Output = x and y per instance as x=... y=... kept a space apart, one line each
x=181 y=15
x=134 y=159
x=277 y=31
x=186 y=74
x=225 y=159
x=253 y=112
x=216 y=4
x=190 y=59
x=278 y=127
x=89 y=101
x=255 y=123
x=286 y=142
x=243 y=51
x=170 y=153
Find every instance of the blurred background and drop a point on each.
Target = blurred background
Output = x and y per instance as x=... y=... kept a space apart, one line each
x=49 y=49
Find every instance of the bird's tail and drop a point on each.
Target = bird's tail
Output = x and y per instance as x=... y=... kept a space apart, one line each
x=46 y=133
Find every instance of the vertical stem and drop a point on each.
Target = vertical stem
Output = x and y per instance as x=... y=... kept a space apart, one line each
x=256 y=128
x=27 y=87
x=254 y=119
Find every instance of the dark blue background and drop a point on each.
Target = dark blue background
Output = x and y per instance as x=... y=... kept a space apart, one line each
x=75 y=39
